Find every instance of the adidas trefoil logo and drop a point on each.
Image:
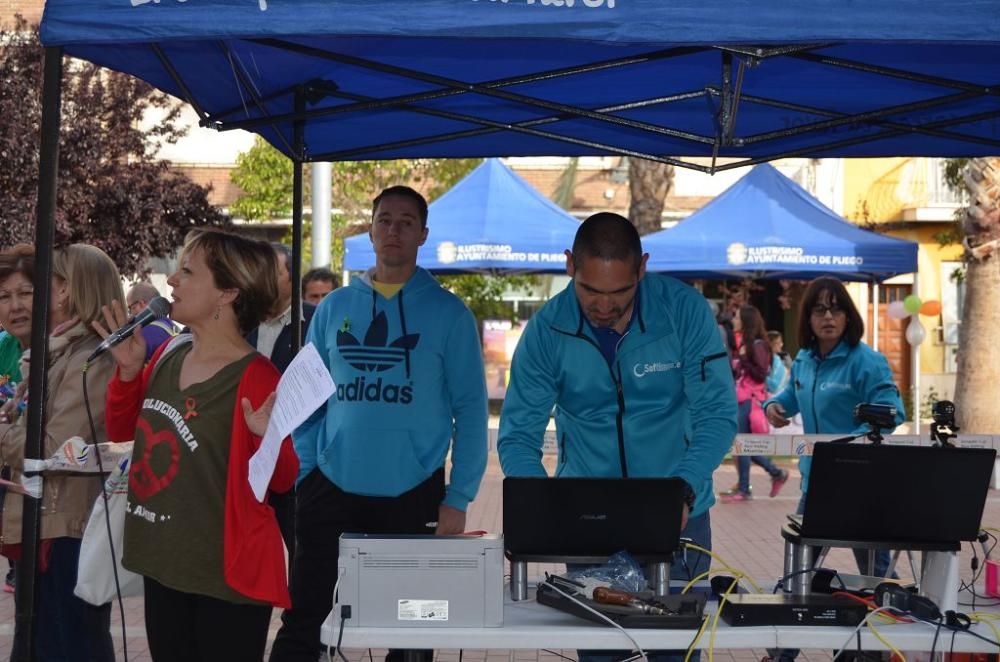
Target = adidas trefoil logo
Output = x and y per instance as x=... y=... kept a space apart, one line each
x=374 y=354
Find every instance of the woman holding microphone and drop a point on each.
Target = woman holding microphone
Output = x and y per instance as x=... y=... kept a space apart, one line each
x=211 y=555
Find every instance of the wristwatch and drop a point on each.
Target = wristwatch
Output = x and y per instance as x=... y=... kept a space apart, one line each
x=689 y=495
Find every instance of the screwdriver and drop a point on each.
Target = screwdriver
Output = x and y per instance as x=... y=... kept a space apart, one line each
x=610 y=596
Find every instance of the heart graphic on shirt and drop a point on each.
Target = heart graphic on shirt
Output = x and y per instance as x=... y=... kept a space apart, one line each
x=143 y=480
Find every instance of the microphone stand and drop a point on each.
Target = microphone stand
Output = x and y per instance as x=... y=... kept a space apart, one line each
x=874 y=435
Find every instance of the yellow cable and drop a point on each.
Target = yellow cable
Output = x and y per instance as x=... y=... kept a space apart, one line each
x=715 y=620
x=728 y=567
x=988 y=619
x=694 y=644
x=885 y=642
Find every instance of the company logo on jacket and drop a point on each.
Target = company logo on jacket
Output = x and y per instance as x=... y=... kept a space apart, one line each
x=374 y=355
x=834 y=386
x=642 y=369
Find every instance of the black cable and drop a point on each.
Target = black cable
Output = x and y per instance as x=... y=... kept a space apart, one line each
x=107 y=510
x=340 y=637
x=552 y=652
x=937 y=631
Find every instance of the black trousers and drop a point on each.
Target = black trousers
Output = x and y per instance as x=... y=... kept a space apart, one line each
x=185 y=627
x=324 y=511
x=284 y=512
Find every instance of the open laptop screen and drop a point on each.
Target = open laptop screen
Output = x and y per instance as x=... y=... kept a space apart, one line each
x=906 y=494
x=578 y=517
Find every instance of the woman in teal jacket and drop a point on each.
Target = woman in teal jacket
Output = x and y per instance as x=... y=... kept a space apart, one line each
x=833 y=372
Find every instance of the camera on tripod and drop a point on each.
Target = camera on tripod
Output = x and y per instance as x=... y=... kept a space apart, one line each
x=943 y=429
x=878 y=417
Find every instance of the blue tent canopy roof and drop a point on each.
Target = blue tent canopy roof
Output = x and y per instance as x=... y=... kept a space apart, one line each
x=767 y=226
x=491 y=221
x=449 y=78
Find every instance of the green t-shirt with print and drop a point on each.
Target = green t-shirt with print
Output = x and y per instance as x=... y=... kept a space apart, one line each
x=177 y=483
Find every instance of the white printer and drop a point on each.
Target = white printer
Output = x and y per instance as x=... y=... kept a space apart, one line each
x=420 y=581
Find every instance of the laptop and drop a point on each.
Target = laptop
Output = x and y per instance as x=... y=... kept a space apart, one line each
x=914 y=495
x=574 y=518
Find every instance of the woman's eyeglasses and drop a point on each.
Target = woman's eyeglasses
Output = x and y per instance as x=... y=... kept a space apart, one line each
x=820 y=310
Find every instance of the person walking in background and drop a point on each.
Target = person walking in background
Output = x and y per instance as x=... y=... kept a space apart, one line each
x=158 y=331
x=753 y=364
x=84 y=279
x=780 y=363
x=832 y=373
x=210 y=554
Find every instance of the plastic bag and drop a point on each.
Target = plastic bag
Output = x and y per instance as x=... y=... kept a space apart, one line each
x=95 y=579
x=620 y=571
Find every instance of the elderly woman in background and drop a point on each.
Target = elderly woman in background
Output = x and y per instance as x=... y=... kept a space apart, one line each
x=210 y=553
x=84 y=280
x=17 y=288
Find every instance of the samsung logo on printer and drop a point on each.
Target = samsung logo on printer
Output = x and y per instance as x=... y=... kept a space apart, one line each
x=593 y=517
x=642 y=369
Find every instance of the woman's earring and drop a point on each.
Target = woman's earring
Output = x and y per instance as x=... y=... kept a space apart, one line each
x=217 y=311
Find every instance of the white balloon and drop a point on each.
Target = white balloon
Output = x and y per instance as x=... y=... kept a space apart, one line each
x=897 y=310
x=915 y=332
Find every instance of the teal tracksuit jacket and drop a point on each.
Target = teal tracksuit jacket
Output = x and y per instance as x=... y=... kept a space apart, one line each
x=665 y=407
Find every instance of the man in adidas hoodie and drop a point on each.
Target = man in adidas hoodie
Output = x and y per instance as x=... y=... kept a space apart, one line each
x=406 y=358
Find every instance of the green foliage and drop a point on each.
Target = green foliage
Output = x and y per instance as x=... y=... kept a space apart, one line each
x=265 y=175
x=484 y=294
x=953 y=171
x=112 y=192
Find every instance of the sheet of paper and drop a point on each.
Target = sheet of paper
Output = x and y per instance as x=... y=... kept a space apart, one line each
x=304 y=387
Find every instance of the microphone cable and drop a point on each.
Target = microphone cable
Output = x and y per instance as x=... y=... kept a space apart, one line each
x=107 y=512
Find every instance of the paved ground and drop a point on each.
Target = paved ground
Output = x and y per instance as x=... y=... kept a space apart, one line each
x=745 y=534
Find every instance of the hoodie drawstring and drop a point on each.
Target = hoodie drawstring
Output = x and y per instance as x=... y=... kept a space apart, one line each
x=402 y=323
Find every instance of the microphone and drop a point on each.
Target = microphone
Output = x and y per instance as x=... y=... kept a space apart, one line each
x=157 y=308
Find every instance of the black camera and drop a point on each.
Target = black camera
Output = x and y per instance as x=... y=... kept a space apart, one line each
x=943 y=429
x=877 y=416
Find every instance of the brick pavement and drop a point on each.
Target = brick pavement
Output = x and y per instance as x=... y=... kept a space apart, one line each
x=745 y=534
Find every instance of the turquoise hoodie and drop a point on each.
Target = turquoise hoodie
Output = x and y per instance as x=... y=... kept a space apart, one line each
x=409 y=376
x=665 y=407
x=825 y=391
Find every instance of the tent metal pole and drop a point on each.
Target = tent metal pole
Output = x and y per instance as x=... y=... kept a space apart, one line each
x=168 y=66
x=862 y=118
x=494 y=127
x=295 y=268
x=548 y=74
x=915 y=359
x=876 y=316
x=855 y=118
x=891 y=72
x=812 y=150
x=243 y=80
x=45 y=221
x=483 y=90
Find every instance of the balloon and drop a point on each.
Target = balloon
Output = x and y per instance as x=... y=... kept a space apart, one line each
x=915 y=332
x=931 y=308
x=912 y=304
x=897 y=310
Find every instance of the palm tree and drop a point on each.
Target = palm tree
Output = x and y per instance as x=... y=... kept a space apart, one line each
x=649 y=183
x=977 y=387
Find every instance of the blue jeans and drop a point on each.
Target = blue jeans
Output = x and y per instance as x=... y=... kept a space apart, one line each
x=688 y=565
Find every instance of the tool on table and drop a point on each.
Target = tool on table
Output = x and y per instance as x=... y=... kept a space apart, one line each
x=610 y=596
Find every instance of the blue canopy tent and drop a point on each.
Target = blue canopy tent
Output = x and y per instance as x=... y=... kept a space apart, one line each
x=491 y=221
x=767 y=226
x=331 y=80
x=448 y=78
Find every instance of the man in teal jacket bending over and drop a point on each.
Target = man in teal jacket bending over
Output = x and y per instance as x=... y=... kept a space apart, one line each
x=406 y=359
x=637 y=371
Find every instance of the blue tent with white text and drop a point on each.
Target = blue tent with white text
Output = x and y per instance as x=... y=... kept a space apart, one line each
x=491 y=221
x=767 y=226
